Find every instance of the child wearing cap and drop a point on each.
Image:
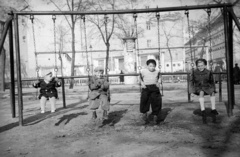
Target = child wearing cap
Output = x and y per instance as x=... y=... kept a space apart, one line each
x=202 y=83
x=150 y=94
x=48 y=91
x=99 y=95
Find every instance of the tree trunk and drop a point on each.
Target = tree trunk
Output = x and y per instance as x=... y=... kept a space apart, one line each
x=73 y=57
x=107 y=57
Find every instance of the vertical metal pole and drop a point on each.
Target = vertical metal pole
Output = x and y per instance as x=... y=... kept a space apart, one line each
x=220 y=87
x=228 y=61
x=188 y=79
x=19 y=82
x=12 y=85
x=230 y=20
x=63 y=93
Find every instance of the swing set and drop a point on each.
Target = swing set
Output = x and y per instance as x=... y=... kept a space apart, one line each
x=228 y=16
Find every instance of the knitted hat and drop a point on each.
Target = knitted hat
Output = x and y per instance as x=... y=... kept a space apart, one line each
x=99 y=69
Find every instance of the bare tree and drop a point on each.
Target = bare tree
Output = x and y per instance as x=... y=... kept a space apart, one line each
x=73 y=5
x=61 y=41
x=105 y=25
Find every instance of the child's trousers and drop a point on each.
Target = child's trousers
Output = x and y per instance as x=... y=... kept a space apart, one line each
x=102 y=101
x=43 y=101
x=150 y=95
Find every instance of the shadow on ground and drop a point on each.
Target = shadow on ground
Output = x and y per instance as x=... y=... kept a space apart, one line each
x=113 y=118
x=69 y=117
x=32 y=120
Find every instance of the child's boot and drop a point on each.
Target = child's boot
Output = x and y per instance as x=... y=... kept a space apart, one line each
x=105 y=116
x=94 y=115
x=214 y=113
x=204 y=117
x=155 y=119
x=144 y=117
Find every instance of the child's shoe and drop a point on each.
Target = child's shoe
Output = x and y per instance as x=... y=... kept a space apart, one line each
x=155 y=119
x=144 y=117
x=42 y=111
x=105 y=116
x=204 y=117
x=214 y=112
x=52 y=111
x=94 y=115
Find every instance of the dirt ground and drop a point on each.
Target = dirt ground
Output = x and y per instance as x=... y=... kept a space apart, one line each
x=70 y=133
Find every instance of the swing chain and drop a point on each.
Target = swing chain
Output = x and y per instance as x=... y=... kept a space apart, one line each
x=210 y=37
x=85 y=35
x=55 y=48
x=189 y=35
x=83 y=18
x=34 y=45
x=135 y=17
x=105 y=18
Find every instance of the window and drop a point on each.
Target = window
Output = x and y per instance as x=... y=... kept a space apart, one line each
x=167 y=65
x=148 y=25
x=174 y=65
x=179 y=64
x=148 y=43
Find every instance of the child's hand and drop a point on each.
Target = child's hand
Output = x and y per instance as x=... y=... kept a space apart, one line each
x=158 y=85
x=36 y=82
x=56 y=79
x=193 y=95
x=143 y=85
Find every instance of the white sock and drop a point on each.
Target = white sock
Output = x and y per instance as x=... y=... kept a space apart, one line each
x=201 y=100
x=212 y=98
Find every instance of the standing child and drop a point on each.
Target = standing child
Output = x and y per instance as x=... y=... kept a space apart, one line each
x=150 y=79
x=202 y=83
x=99 y=95
x=48 y=91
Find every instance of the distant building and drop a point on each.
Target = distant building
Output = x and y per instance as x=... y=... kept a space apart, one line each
x=201 y=45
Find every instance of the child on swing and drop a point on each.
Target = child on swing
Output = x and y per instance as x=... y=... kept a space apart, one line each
x=48 y=91
x=99 y=95
x=150 y=94
x=202 y=83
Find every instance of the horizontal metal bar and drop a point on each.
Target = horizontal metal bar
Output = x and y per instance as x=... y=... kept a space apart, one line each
x=127 y=11
x=98 y=51
x=4 y=34
x=114 y=75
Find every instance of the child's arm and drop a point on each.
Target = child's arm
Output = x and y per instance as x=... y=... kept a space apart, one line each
x=211 y=80
x=141 y=80
x=36 y=84
x=93 y=84
x=57 y=83
x=159 y=81
x=191 y=83
x=105 y=84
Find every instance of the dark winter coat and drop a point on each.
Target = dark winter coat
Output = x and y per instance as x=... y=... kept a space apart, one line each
x=48 y=90
x=202 y=81
x=98 y=86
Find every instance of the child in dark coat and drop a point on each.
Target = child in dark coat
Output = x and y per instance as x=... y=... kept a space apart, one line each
x=99 y=95
x=202 y=83
x=48 y=91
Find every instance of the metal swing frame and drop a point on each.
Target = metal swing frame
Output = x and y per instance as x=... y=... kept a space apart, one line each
x=228 y=16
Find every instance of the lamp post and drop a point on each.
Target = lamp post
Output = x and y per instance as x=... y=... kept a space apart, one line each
x=90 y=48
